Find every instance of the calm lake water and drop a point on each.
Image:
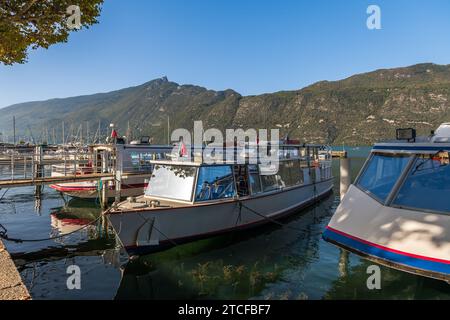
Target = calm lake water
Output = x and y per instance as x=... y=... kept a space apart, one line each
x=266 y=263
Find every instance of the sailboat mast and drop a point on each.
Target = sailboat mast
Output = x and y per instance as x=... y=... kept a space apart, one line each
x=63 y=137
x=14 y=129
x=168 y=130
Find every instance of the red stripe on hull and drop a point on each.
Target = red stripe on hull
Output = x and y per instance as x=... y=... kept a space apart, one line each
x=387 y=248
x=63 y=188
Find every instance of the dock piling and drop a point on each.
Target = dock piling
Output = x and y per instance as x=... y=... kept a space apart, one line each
x=104 y=195
x=118 y=176
x=38 y=173
x=345 y=176
x=12 y=166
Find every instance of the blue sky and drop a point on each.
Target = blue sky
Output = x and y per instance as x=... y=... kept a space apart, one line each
x=252 y=46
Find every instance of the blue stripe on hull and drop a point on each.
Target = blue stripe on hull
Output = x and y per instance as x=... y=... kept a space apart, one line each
x=396 y=258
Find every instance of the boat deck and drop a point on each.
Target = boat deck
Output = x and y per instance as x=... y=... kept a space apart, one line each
x=144 y=202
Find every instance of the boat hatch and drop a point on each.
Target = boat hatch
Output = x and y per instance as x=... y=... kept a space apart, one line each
x=418 y=182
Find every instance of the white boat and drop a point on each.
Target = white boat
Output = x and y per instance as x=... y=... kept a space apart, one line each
x=130 y=158
x=397 y=212
x=185 y=201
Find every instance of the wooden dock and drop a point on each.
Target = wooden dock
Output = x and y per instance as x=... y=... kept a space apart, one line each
x=11 y=284
x=10 y=183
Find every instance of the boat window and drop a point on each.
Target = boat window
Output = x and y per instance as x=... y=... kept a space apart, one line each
x=272 y=182
x=215 y=182
x=255 y=182
x=288 y=152
x=313 y=175
x=138 y=161
x=296 y=172
x=381 y=174
x=174 y=182
x=290 y=173
x=427 y=186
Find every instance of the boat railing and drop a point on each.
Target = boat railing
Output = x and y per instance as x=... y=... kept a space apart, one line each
x=308 y=155
x=41 y=162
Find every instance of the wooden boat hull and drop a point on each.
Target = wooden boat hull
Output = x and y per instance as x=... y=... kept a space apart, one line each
x=150 y=230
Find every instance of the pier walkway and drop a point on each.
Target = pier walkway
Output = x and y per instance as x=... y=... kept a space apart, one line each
x=11 y=284
x=14 y=183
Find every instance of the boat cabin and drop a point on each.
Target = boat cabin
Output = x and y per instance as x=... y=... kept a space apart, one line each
x=106 y=158
x=408 y=175
x=199 y=182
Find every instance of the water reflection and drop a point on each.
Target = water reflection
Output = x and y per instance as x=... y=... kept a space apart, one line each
x=94 y=239
x=394 y=285
x=73 y=215
x=235 y=266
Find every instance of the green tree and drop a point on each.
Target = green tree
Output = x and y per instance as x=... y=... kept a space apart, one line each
x=36 y=24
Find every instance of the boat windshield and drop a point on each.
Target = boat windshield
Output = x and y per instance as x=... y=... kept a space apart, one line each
x=215 y=182
x=381 y=173
x=427 y=186
x=173 y=182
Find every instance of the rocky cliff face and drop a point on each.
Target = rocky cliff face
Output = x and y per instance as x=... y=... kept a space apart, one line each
x=359 y=110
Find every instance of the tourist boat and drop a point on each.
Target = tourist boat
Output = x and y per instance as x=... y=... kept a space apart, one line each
x=190 y=200
x=397 y=212
x=105 y=158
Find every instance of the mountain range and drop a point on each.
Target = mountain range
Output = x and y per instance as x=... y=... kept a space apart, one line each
x=359 y=110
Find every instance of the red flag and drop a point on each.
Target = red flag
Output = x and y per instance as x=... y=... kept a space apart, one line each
x=183 y=150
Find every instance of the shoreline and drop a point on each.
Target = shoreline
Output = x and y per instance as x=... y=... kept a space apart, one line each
x=11 y=283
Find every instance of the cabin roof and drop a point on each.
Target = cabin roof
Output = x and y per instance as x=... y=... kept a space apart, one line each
x=177 y=163
x=420 y=146
x=203 y=164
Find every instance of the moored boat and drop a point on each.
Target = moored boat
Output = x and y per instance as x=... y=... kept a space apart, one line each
x=129 y=158
x=189 y=200
x=397 y=212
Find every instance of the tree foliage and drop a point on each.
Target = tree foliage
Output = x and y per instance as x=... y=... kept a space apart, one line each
x=36 y=24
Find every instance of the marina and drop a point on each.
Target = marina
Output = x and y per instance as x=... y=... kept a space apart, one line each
x=269 y=262
x=221 y=157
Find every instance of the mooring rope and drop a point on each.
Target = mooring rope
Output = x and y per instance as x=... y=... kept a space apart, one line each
x=159 y=231
x=284 y=225
x=4 y=234
x=4 y=193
